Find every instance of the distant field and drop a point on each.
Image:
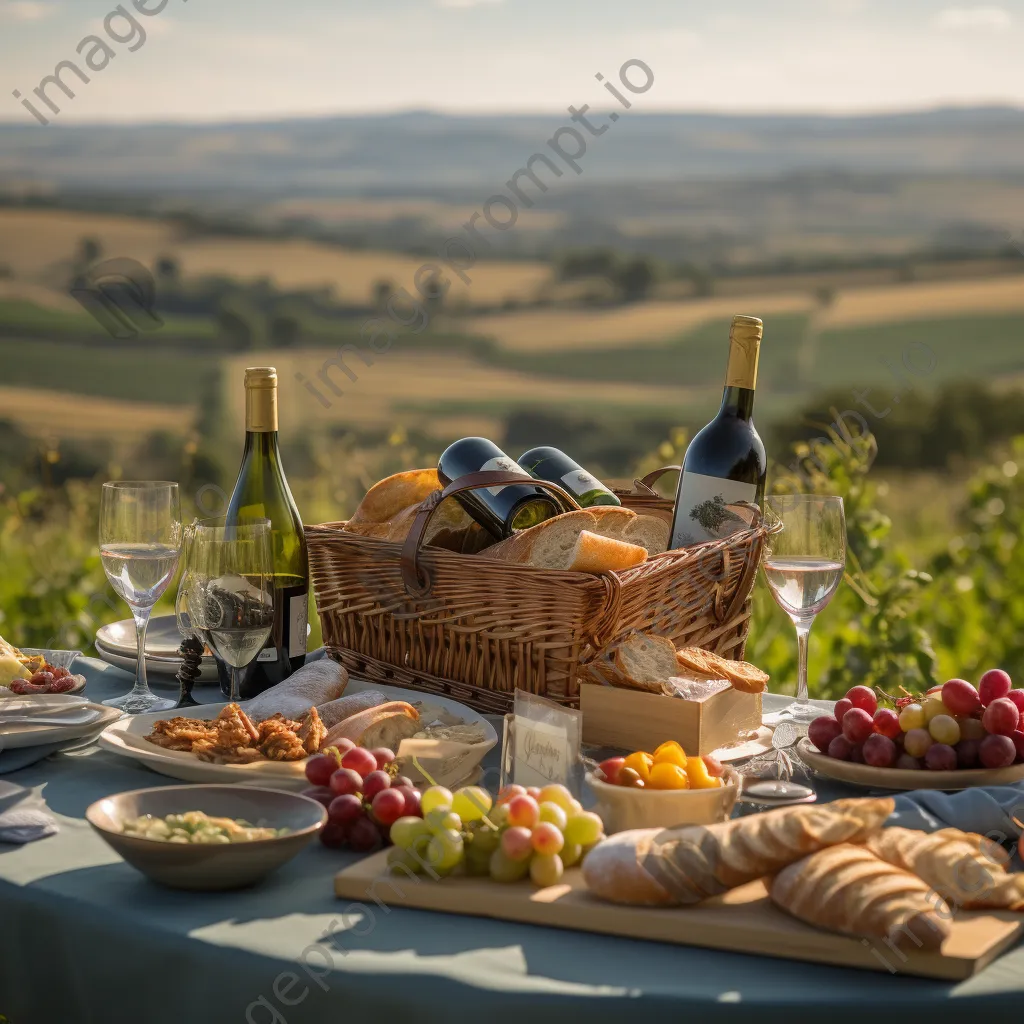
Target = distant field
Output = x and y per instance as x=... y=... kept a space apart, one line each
x=926 y=301
x=32 y=411
x=571 y=329
x=130 y=371
x=38 y=245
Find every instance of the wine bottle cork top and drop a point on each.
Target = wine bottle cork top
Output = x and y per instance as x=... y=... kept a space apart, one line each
x=744 y=349
x=261 y=377
x=746 y=327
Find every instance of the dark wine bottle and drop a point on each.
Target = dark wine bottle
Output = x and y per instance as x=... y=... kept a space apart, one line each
x=261 y=491
x=554 y=465
x=725 y=462
x=500 y=510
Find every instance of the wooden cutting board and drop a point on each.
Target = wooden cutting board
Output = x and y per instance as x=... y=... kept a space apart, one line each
x=742 y=921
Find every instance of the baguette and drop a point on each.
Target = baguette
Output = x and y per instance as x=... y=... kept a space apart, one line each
x=848 y=889
x=570 y=541
x=338 y=710
x=450 y=527
x=383 y=726
x=624 y=524
x=966 y=869
x=314 y=684
x=681 y=867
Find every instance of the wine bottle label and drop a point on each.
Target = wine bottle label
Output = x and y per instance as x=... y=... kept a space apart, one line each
x=268 y=653
x=505 y=465
x=298 y=614
x=702 y=511
x=579 y=481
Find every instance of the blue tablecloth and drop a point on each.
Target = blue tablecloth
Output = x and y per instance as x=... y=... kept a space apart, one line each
x=84 y=938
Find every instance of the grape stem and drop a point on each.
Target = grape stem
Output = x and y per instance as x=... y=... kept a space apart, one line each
x=487 y=821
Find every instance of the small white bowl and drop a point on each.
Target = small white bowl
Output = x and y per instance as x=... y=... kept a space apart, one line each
x=623 y=808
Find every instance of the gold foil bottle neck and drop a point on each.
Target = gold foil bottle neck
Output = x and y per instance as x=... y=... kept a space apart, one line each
x=744 y=350
x=261 y=399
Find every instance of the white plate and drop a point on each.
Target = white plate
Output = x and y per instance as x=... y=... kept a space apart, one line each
x=899 y=778
x=127 y=739
x=164 y=670
x=162 y=637
x=14 y=736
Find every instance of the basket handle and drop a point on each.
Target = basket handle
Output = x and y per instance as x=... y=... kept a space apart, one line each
x=419 y=586
x=656 y=474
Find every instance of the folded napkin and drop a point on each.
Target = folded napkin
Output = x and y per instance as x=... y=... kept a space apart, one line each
x=20 y=824
x=986 y=810
x=15 y=760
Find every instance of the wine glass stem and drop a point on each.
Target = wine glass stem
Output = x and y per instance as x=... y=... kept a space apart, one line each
x=803 y=629
x=236 y=688
x=141 y=616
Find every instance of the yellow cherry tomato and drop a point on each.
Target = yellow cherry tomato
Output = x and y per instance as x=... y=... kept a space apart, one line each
x=640 y=763
x=697 y=773
x=668 y=776
x=670 y=753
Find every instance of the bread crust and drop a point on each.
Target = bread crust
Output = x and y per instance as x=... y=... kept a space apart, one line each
x=696 y=862
x=386 y=498
x=847 y=888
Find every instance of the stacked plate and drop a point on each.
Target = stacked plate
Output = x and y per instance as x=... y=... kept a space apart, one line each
x=116 y=645
x=50 y=718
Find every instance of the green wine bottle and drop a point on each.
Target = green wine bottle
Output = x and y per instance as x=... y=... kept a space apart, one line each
x=261 y=491
x=500 y=510
x=555 y=466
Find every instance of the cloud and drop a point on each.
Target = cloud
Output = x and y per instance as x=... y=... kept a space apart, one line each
x=463 y=4
x=958 y=19
x=26 y=10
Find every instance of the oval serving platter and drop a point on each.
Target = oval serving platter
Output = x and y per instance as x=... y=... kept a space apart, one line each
x=900 y=778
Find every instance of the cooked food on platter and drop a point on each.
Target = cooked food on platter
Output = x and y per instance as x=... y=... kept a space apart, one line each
x=197 y=827
x=233 y=738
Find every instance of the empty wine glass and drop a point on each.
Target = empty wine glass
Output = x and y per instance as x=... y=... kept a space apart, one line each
x=230 y=590
x=140 y=540
x=804 y=563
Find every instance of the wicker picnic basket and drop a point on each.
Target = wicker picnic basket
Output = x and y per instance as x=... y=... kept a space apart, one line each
x=477 y=629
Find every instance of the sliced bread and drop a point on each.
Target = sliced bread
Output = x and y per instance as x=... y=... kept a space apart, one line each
x=638 y=662
x=547 y=544
x=740 y=674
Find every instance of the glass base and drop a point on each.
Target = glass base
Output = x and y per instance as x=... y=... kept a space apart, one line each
x=133 y=703
x=800 y=711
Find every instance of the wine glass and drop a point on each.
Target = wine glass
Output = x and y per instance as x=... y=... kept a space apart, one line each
x=140 y=540
x=804 y=563
x=230 y=594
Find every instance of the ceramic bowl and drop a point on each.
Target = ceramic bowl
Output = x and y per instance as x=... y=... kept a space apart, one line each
x=622 y=808
x=205 y=867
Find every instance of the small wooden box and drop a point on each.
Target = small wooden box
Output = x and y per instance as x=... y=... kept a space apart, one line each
x=635 y=720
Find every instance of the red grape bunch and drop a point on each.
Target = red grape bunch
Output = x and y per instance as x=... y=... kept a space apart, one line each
x=951 y=726
x=363 y=793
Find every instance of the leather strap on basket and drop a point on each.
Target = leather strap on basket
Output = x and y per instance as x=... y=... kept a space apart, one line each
x=656 y=474
x=418 y=582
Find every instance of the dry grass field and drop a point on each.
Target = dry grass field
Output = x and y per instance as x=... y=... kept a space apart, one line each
x=552 y=329
x=31 y=410
x=404 y=378
x=37 y=245
x=931 y=300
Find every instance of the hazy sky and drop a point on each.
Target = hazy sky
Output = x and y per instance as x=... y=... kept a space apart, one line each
x=215 y=59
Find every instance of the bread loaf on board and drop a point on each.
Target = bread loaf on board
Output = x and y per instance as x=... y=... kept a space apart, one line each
x=848 y=889
x=966 y=869
x=683 y=866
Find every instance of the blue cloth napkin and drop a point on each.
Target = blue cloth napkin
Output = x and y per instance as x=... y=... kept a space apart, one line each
x=988 y=811
x=15 y=760
x=20 y=824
